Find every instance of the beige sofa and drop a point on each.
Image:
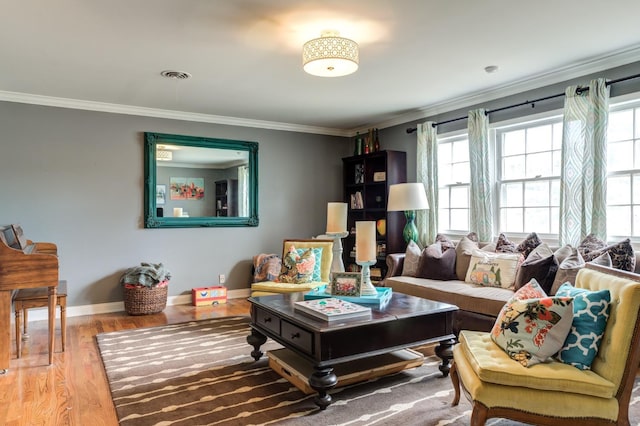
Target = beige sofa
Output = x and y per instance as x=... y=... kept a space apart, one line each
x=478 y=306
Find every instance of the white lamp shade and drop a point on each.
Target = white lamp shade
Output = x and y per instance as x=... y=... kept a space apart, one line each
x=330 y=55
x=336 y=217
x=407 y=196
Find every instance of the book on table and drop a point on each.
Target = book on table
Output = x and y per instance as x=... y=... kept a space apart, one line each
x=331 y=309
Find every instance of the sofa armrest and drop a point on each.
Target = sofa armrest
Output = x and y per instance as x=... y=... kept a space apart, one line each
x=395 y=263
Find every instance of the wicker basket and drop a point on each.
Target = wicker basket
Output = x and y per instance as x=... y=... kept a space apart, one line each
x=145 y=300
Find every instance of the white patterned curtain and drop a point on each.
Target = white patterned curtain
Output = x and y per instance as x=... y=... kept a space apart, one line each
x=584 y=163
x=480 y=197
x=427 y=173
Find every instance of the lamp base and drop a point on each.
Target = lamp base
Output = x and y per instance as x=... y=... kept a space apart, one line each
x=337 y=265
x=367 y=288
x=410 y=232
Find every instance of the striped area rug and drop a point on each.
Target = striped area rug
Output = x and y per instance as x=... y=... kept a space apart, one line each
x=202 y=373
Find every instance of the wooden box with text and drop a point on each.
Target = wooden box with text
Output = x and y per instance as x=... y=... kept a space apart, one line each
x=205 y=296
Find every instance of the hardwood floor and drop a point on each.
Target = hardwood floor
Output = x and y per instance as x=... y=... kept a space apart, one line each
x=74 y=390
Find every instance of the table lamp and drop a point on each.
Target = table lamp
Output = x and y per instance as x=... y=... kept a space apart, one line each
x=366 y=254
x=408 y=197
x=337 y=229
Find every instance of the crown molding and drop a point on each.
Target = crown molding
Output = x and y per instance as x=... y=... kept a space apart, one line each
x=593 y=65
x=26 y=98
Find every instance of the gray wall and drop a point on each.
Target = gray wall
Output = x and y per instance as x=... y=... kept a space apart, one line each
x=75 y=178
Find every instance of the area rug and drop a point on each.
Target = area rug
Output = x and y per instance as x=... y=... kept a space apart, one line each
x=202 y=373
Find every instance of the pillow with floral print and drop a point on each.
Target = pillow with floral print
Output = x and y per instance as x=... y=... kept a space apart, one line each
x=531 y=331
x=296 y=268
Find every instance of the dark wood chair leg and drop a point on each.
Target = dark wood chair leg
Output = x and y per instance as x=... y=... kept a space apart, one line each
x=479 y=415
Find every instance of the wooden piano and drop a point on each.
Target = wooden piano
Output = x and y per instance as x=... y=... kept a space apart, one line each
x=24 y=264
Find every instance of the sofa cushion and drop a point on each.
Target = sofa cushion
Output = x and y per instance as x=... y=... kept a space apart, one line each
x=562 y=253
x=541 y=264
x=567 y=270
x=463 y=256
x=467 y=297
x=492 y=365
x=411 y=259
x=493 y=269
x=590 y=315
x=532 y=330
x=437 y=263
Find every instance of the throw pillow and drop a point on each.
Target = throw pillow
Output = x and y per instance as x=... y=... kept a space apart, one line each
x=445 y=242
x=493 y=269
x=590 y=315
x=541 y=265
x=297 y=269
x=568 y=270
x=437 y=263
x=503 y=245
x=604 y=259
x=532 y=330
x=411 y=260
x=590 y=244
x=266 y=267
x=490 y=247
x=472 y=236
x=463 y=256
x=317 y=268
x=562 y=253
x=622 y=255
x=529 y=244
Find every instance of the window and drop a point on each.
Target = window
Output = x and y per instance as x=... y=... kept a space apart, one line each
x=529 y=177
x=453 y=182
x=623 y=167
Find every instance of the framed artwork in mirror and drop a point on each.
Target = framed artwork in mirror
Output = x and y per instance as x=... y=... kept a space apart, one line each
x=191 y=168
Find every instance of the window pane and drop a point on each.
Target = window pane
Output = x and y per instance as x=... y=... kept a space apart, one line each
x=443 y=219
x=536 y=193
x=513 y=142
x=557 y=159
x=460 y=196
x=619 y=190
x=536 y=220
x=555 y=192
x=460 y=219
x=636 y=221
x=539 y=164
x=444 y=153
x=511 y=220
x=443 y=198
x=620 y=125
x=637 y=122
x=511 y=195
x=557 y=136
x=555 y=221
x=636 y=189
x=444 y=174
x=461 y=173
x=619 y=221
x=513 y=167
x=619 y=156
x=539 y=138
x=460 y=151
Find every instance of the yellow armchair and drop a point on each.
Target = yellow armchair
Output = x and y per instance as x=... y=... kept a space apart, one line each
x=555 y=393
x=266 y=288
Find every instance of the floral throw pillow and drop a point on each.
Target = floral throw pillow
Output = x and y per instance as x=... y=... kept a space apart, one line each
x=531 y=331
x=529 y=244
x=503 y=245
x=590 y=315
x=317 y=268
x=297 y=269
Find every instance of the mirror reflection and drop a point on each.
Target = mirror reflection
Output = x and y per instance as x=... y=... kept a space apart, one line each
x=194 y=181
x=201 y=182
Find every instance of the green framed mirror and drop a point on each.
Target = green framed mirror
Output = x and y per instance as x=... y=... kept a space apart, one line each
x=199 y=182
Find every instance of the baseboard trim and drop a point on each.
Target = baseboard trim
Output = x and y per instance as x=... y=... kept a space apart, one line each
x=40 y=314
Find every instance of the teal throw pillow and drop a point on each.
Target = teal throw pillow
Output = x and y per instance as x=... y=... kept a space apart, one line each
x=590 y=315
x=317 y=269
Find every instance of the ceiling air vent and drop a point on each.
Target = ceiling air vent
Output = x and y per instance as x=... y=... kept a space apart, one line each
x=180 y=75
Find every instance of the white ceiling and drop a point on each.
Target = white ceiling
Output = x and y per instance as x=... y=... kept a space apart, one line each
x=416 y=57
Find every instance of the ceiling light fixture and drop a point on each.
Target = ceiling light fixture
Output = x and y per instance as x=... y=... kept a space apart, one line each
x=330 y=55
x=162 y=155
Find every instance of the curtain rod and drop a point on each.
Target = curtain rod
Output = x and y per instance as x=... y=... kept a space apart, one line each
x=532 y=103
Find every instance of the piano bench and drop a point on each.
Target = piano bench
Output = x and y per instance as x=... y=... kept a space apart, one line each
x=28 y=298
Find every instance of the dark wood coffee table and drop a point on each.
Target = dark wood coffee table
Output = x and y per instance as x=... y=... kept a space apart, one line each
x=404 y=322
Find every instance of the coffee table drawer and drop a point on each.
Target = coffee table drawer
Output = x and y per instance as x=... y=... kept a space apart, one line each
x=299 y=337
x=268 y=320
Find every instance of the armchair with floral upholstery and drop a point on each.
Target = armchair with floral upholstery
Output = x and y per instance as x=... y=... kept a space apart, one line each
x=304 y=265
